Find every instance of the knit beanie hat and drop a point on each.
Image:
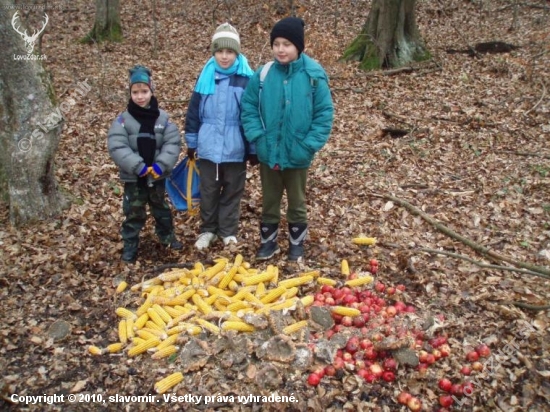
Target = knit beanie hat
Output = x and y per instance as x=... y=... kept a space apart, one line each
x=141 y=74
x=226 y=37
x=292 y=29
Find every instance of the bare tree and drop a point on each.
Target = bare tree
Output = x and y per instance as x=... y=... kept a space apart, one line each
x=389 y=38
x=27 y=178
x=107 y=22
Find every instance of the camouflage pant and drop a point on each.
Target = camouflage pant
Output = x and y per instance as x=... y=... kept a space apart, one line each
x=136 y=198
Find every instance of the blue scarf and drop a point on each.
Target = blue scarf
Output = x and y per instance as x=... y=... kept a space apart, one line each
x=206 y=84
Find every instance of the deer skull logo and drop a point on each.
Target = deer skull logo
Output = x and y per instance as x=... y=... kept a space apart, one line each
x=29 y=40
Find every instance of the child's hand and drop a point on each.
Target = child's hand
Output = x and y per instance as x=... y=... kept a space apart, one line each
x=144 y=171
x=156 y=171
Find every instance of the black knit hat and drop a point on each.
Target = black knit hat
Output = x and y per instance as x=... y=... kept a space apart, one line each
x=292 y=29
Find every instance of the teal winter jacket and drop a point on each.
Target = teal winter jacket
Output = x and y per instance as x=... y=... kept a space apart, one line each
x=291 y=119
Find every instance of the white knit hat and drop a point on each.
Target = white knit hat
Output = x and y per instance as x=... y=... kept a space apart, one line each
x=226 y=37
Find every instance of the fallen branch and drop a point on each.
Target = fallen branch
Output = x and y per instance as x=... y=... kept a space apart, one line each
x=540 y=100
x=542 y=271
x=481 y=264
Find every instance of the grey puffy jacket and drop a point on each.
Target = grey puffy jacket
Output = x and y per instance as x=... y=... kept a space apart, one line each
x=122 y=145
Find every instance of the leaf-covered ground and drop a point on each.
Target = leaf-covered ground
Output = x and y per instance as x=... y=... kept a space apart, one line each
x=476 y=160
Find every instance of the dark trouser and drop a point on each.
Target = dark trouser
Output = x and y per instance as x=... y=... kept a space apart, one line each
x=221 y=187
x=274 y=183
x=136 y=198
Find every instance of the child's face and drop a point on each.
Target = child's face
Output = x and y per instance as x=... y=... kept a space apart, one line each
x=141 y=94
x=225 y=58
x=284 y=50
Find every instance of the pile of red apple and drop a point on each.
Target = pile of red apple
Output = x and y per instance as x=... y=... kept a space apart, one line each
x=382 y=316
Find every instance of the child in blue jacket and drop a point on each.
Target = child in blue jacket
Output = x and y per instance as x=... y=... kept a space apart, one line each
x=288 y=116
x=213 y=134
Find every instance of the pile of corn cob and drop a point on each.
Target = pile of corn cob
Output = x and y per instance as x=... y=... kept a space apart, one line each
x=215 y=299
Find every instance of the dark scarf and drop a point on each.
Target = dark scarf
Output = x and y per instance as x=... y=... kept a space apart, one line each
x=146 y=142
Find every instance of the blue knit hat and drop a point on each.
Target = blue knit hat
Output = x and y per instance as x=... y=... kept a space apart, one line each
x=141 y=74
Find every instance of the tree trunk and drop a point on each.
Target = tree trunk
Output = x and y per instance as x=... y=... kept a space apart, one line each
x=107 y=22
x=27 y=178
x=389 y=38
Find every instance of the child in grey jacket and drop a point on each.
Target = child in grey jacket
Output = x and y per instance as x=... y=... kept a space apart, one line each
x=145 y=146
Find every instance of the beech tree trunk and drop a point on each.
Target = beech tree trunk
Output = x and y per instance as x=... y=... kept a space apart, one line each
x=27 y=152
x=107 y=22
x=389 y=38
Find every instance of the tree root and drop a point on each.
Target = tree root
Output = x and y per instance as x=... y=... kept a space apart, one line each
x=530 y=269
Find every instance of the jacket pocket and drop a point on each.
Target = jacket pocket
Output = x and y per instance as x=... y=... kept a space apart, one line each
x=299 y=154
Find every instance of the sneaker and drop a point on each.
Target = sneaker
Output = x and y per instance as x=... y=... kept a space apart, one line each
x=204 y=240
x=229 y=240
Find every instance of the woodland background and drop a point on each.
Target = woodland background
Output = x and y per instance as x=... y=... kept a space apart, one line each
x=476 y=159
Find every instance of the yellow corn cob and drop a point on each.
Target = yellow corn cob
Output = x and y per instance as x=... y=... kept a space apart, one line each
x=214 y=270
x=220 y=306
x=165 y=352
x=169 y=382
x=202 y=293
x=94 y=350
x=180 y=328
x=362 y=240
x=121 y=287
x=234 y=307
x=195 y=282
x=344 y=268
x=229 y=276
x=194 y=330
x=145 y=334
x=211 y=299
x=345 y=311
x=137 y=341
x=148 y=344
x=155 y=317
x=146 y=305
x=153 y=326
x=275 y=271
x=122 y=331
x=261 y=277
x=198 y=267
x=171 y=276
x=239 y=326
x=295 y=327
x=273 y=294
x=201 y=304
x=185 y=281
x=173 y=312
x=145 y=285
x=249 y=297
x=161 y=300
x=152 y=290
x=307 y=300
x=260 y=290
x=183 y=298
x=326 y=281
x=213 y=290
x=242 y=270
x=209 y=326
x=233 y=286
x=115 y=347
x=290 y=293
x=359 y=281
x=240 y=294
x=162 y=313
x=129 y=328
x=125 y=313
x=158 y=333
x=287 y=304
x=289 y=283
x=170 y=340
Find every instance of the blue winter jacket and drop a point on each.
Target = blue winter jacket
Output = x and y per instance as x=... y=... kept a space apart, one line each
x=292 y=118
x=213 y=124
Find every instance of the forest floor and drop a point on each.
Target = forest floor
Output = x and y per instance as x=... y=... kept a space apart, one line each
x=475 y=160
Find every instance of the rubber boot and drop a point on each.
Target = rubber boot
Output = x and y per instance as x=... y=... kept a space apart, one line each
x=296 y=234
x=268 y=237
x=129 y=253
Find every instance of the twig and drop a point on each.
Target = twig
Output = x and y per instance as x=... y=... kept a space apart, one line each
x=477 y=263
x=540 y=100
x=542 y=271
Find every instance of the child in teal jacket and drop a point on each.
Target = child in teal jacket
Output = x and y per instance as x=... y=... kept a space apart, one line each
x=288 y=116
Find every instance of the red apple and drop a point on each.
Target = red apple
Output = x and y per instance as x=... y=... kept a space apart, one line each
x=400 y=287
x=376 y=370
x=388 y=376
x=483 y=350
x=466 y=370
x=456 y=389
x=403 y=398
x=347 y=321
x=445 y=400
x=445 y=384
x=472 y=356
x=445 y=350
x=390 y=364
x=313 y=379
x=330 y=370
x=414 y=404
x=379 y=287
x=423 y=356
x=477 y=366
